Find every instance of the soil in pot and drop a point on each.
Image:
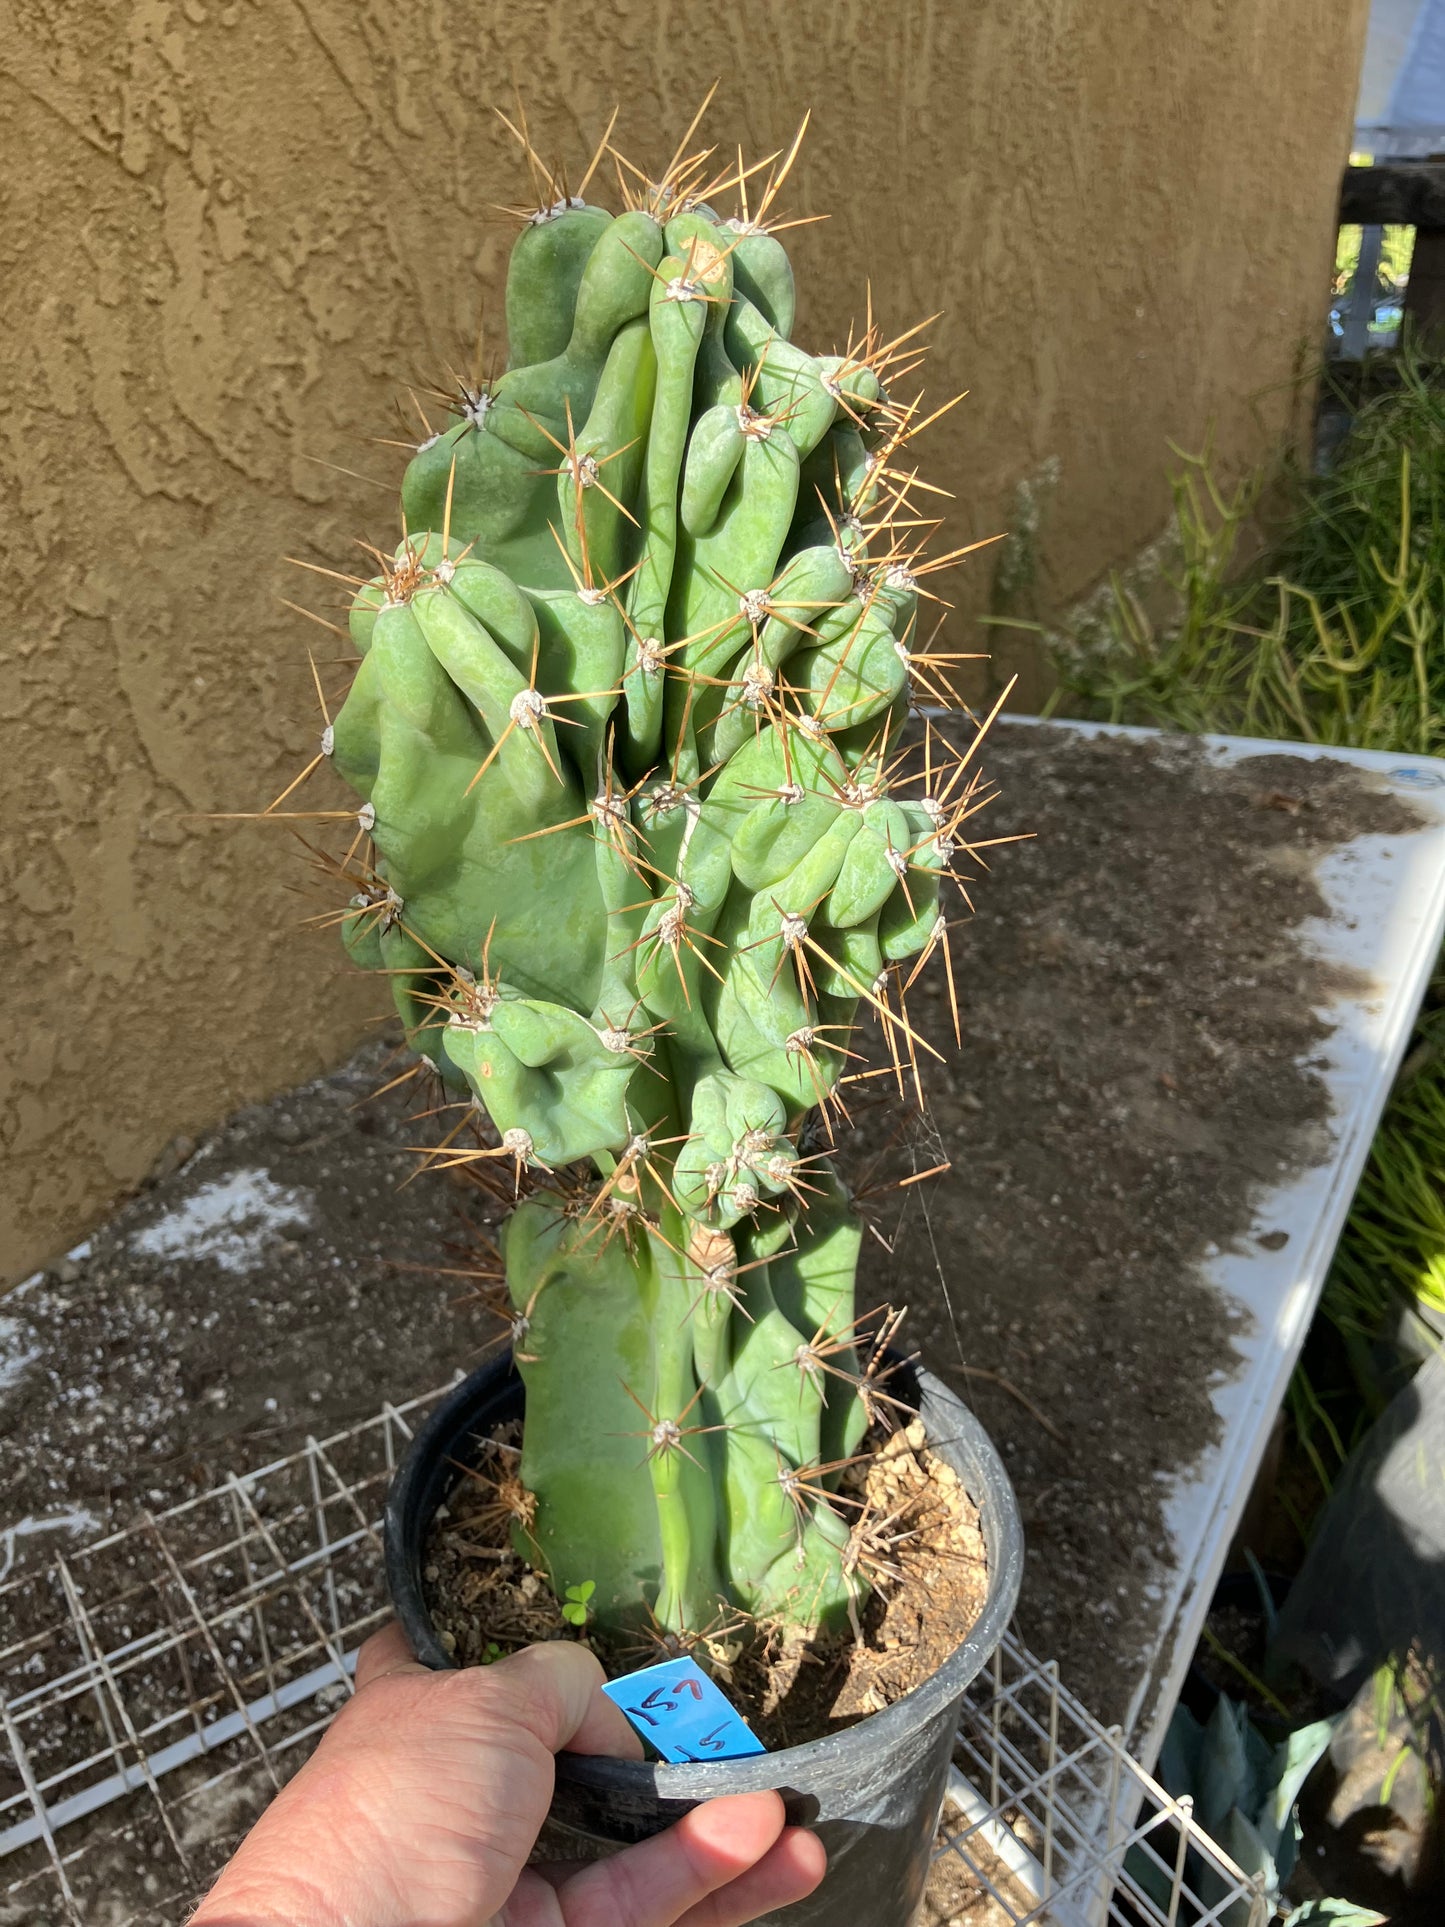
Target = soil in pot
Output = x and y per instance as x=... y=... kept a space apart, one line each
x=928 y=1584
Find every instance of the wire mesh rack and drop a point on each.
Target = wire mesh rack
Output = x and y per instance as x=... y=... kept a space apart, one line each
x=1052 y=1820
x=159 y=1683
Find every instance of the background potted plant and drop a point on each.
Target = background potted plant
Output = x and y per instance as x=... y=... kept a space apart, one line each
x=645 y=832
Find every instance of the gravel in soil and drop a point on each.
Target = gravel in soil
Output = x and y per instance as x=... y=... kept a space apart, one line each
x=955 y=1896
x=929 y=1584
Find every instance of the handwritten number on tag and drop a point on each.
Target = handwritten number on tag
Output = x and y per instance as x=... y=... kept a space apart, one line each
x=665 y=1699
x=683 y=1714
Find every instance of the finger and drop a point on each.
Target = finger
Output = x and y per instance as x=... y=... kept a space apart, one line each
x=556 y=1873
x=385 y=1652
x=788 y=1871
x=811 y=1854
x=659 y=1881
x=555 y=1690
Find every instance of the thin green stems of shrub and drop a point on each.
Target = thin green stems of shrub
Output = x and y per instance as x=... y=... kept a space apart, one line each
x=1338 y=637
x=1335 y=636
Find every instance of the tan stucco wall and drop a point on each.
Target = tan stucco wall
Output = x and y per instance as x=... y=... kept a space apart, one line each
x=233 y=228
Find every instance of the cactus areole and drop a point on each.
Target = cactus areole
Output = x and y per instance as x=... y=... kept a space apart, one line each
x=640 y=845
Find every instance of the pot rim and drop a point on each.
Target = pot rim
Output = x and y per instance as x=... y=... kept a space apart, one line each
x=973 y=1456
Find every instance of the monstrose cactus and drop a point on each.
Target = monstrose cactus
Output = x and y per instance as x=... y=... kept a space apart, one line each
x=643 y=843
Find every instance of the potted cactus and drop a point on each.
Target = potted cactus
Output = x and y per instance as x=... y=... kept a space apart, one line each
x=642 y=839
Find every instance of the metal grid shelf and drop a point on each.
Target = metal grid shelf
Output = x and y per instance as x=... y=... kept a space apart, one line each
x=1055 y=1821
x=159 y=1683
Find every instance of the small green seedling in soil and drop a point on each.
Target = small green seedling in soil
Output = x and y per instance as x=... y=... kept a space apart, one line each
x=574 y=1606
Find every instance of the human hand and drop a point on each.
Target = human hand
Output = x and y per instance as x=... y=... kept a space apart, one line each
x=423 y=1800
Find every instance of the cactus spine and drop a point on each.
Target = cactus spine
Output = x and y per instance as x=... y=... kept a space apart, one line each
x=644 y=845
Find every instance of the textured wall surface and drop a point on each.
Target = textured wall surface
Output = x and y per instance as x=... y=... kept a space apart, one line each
x=234 y=230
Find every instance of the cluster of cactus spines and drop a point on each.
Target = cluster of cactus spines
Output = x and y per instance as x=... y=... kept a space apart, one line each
x=641 y=841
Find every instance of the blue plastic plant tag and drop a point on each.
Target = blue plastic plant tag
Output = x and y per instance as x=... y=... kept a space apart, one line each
x=677 y=1709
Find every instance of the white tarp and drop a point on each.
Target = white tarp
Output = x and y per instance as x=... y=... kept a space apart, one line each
x=1401 y=111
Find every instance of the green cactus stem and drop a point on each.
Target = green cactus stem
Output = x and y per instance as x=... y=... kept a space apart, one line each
x=640 y=845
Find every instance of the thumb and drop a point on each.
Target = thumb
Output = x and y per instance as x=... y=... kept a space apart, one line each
x=386 y=1652
x=554 y=1687
x=550 y=1690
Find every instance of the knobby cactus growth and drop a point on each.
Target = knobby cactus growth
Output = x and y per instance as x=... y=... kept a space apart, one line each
x=641 y=843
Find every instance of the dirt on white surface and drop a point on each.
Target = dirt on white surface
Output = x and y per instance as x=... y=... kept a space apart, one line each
x=278 y=1278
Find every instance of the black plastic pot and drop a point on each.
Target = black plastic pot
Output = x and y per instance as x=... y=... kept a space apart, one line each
x=872 y=1793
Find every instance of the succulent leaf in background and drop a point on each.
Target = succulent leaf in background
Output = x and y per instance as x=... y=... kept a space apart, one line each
x=641 y=840
x=1244 y=1790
